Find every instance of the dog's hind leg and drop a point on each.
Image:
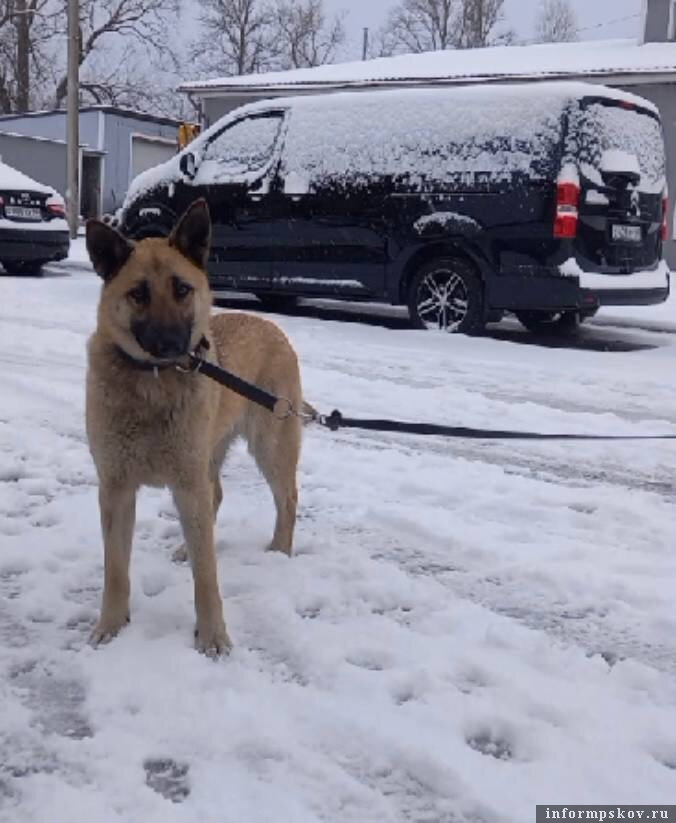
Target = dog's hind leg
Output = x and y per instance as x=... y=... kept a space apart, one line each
x=275 y=445
x=118 y=512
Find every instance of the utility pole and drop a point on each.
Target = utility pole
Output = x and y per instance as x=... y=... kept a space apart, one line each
x=365 y=48
x=73 y=117
x=23 y=24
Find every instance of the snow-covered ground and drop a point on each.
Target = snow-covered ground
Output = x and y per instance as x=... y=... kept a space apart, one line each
x=466 y=630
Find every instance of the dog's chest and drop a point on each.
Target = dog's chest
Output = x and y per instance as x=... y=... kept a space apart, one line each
x=154 y=435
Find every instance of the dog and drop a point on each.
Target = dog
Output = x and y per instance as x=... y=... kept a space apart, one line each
x=149 y=424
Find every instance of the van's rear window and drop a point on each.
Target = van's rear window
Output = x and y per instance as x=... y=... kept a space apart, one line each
x=610 y=130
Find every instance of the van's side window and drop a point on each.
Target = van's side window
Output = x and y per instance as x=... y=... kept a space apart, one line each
x=247 y=145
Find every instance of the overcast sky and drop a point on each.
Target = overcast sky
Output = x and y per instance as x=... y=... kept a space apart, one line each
x=520 y=16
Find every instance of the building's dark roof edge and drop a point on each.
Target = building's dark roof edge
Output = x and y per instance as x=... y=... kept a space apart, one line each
x=120 y=112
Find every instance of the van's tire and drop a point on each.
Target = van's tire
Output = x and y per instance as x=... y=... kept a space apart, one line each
x=550 y=322
x=277 y=302
x=24 y=268
x=446 y=294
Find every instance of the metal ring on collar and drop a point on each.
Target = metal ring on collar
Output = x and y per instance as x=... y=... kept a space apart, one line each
x=283 y=408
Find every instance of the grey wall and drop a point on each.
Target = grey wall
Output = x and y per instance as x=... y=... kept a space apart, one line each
x=99 y=130
x=53 y=125
x=657 y=21
x=117 y=161
x=215 y=107
x=43 y=160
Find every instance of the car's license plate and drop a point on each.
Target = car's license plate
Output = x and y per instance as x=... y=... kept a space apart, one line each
x=627 y=234
x=23 y=212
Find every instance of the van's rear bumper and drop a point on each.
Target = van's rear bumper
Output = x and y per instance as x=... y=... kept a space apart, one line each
x=569 y=288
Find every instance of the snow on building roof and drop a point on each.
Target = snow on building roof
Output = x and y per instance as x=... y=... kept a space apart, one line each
x=598 y=58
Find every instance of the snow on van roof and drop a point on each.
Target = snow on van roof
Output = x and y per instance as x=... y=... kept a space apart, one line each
x=555 y=91
x=333 y=130
x=588 y=59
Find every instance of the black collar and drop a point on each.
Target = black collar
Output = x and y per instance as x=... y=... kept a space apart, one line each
x=150 y=365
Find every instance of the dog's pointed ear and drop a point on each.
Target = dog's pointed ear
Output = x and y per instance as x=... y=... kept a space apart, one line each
x=108 y=249
x=192 y=234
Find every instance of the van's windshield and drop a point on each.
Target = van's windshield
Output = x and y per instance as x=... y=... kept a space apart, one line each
x=615 y=138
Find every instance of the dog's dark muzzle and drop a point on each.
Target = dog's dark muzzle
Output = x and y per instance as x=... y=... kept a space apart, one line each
x=163 y=342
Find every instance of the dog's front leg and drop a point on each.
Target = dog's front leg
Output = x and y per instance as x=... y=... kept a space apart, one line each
x=118 y=512
x=195 y=509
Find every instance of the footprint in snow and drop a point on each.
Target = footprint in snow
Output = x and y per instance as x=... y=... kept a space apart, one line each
x=168 y=778
x=57 y=702
x=491 y=745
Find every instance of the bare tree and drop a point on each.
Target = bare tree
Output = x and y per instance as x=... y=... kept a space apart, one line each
x=431 y=25
x=556 y=22
x=123 y=46
x=25 y=27
x=240 y=35
x=480 y=19
x=142 y=21
x=305 y=36
x=423 y=25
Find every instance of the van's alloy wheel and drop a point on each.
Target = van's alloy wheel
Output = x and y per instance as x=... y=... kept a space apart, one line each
x=550 y=322
x=446 y=295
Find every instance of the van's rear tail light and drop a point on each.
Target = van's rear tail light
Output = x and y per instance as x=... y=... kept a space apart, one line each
x=567 y=201
x=55 y=207
x=665 y=218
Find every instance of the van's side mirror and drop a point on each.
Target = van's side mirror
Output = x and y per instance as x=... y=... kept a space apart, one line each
x=188 y=165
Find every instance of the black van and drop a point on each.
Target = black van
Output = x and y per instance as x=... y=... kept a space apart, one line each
x=547 y=200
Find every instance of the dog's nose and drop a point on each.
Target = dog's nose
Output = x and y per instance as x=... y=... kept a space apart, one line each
x=163 y=342
x=169 y=344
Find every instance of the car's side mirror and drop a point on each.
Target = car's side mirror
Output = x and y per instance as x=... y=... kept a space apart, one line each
x=188 y=164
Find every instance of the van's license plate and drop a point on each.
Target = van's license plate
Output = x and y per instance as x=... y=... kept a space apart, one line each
x=24 y=212
x=626 y=234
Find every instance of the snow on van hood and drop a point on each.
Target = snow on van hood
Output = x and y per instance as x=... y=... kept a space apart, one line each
x=163 y=174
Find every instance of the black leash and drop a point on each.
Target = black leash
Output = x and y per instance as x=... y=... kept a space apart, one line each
x=336 y=421
x=279 y=406
x=282 y=408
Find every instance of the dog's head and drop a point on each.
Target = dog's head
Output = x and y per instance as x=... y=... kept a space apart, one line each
x=155 y=300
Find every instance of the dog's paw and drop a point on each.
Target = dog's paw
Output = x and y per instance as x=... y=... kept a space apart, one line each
x=107 y=628
x=273 y=547
x=180 y=555
x=211 y=638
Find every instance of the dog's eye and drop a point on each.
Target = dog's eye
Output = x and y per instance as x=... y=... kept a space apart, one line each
x=140 y=294
x=181 y=289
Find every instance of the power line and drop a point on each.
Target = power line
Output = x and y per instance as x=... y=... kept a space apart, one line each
x=608 y=23
x=593 y=27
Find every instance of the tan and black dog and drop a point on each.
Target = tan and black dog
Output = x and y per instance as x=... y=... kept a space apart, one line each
x=149 y=424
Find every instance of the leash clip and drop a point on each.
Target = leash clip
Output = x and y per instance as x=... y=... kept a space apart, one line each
x=195 y=364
